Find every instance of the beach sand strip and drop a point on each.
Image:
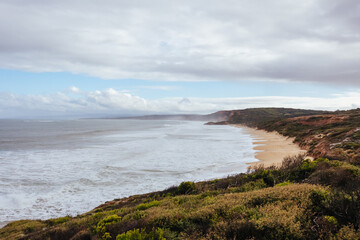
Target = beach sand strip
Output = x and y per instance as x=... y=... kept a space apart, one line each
x=271 y=147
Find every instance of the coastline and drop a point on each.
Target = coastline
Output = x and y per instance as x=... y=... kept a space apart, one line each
x=271 y=147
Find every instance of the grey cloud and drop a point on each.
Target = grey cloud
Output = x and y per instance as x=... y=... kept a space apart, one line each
x=111 y=102
x=188 y=40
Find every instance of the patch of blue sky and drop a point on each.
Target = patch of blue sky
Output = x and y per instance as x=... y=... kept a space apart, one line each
x=20 y=82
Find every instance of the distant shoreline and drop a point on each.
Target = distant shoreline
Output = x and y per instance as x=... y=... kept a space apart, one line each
x=271 y=147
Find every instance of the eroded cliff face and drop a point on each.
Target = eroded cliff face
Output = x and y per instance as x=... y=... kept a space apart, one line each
x=318 y=144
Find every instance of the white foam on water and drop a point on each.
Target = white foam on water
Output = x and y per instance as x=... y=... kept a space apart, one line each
x=52 y=182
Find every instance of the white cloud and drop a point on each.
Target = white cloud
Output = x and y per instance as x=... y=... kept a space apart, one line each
x=110 y=102
x=184 y=40
x=74 y=89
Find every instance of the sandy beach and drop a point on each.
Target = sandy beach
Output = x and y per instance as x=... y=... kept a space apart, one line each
x=271 y=146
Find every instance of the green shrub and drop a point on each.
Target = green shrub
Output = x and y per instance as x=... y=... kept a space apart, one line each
x=265 y=174
x=339 y=175
x=106 y=236
x=144 y=206
x=283 y=184
x=345 y=206
x=309 y=165
x=186 y=188
x=101 y=227
x=353 y=169
x=60 y=220
x=317 y=198
x=336 y=163
x=331 y=219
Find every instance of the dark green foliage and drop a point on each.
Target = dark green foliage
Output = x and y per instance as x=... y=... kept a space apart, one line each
x=310 y=166
x=56 y=221
x=344 y=206
x=266 y=175
x=102 y=226
x=334 y=210
x=186 y=188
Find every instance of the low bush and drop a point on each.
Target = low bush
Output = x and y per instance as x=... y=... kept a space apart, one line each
x=186 y=188
x=105 y=222
x=144 y=206
x=17 y=229
x=283 y=184
x=60 y=220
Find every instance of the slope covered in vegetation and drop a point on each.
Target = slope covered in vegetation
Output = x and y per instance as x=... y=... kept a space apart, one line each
x=254 y=116
x=335 y=135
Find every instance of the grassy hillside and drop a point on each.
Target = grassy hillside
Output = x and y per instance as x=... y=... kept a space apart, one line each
x=301 y=199
x=254 y=116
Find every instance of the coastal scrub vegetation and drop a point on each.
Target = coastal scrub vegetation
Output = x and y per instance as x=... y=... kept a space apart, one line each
x=252 y=117
x=300 y=199
x=333 y=135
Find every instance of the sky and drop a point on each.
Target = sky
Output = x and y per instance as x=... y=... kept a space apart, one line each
x=90 y=58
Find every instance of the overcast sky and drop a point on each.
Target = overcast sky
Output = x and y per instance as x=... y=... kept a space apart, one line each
x=86 y=57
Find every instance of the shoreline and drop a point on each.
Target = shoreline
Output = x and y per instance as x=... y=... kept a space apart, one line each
x=271 y=147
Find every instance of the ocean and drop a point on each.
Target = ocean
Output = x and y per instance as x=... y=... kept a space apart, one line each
x=55 y=168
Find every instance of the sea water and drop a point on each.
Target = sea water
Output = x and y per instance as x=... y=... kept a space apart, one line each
x=52 y=168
